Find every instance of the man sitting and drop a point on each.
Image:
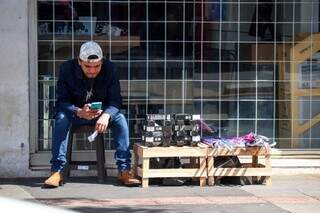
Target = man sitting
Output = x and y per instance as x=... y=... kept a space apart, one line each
x=82 y=81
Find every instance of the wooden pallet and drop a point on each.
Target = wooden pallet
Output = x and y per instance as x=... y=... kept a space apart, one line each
x=253 y=169
x=144 y=154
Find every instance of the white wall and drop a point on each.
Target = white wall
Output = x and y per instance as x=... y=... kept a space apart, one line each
x=14 y=90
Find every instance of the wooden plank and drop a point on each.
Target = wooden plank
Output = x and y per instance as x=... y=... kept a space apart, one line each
x=210 y=180
x=268 y=161
x=210 y=165
x=145 y=182
x=268 y=181
x=139 y=149
x=145 y=169
x=161 y=173
x=203 y=164
x=254 y=161
x=241 y=172
x=203 y=167
x=174 y=152
x=135 y=148
x=139 y=172
x=203 y=181
x=257 y=150
x=191 y=152
x=193 y=162
x=136 y=162
x=268 y=165
x=254 y=164
x=145 y=166
x=249 y=165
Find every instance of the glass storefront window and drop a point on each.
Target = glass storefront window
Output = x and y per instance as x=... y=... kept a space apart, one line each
x=243 y=65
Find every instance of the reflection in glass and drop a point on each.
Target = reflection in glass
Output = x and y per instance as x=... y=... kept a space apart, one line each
x=45 y=68
x=210 y=70
x=45 y=30
x=156 y=89
x=138 y=70
x=211 y=110
x=173 y=107
x=63 y=50
x=210 y=90
x=227 y=128
x=265 y=127
x=174 y=90
x=246 y=126
x=100 y=10
x=45 y=50
x=45 y=10
x=247 y=109
x=266 y=71
x=231 y=62
x=247 y=90
x=266 y=90
x=138 y=90
x=45 y=128
x=175 y=70
x=265 y=109
x=247 y=71
x=156 y=70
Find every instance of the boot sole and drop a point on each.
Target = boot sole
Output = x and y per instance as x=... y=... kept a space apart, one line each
x=50 y=186
x=130 y=184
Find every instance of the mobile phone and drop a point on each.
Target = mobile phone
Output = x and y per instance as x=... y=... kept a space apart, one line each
x=96 y=105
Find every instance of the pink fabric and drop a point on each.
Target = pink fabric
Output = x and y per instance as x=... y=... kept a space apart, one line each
x=249 y=138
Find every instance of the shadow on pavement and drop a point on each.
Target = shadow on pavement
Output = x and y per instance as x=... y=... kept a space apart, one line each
x=122 y=209
x=38 y=182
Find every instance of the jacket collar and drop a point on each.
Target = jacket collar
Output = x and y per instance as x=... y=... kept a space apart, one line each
x=79 y=72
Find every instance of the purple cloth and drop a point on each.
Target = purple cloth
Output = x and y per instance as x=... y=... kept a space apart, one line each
x=210 y=140
x=204 y=127
x=231 y=141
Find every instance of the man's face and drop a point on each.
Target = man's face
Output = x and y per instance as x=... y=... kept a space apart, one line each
x=90 y=69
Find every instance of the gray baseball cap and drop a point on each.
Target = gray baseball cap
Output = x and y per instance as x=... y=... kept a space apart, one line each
x=90 y=51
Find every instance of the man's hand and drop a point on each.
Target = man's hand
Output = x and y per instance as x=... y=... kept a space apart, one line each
x=102 y=123
x=86 y=113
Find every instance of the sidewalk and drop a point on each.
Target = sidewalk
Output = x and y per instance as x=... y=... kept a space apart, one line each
x=298 y=193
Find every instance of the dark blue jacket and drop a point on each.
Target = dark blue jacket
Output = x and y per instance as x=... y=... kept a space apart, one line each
x=72 y=89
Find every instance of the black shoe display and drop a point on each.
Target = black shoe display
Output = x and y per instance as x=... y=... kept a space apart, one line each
x=167 y=130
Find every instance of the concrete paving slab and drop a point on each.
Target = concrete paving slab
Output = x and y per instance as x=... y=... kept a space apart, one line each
x=298 y=193
x=89 y=188
x=14 y=191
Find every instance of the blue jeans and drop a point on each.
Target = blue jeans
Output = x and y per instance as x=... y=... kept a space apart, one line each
x=63 y=122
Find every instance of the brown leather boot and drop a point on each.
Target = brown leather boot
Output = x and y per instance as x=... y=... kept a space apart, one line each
x=126 y=178
x=55 y=180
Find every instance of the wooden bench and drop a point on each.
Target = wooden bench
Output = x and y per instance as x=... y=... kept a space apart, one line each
x=197 y=156
x=253 y=169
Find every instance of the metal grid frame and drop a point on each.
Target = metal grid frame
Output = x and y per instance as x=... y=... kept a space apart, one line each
x=202 y=60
